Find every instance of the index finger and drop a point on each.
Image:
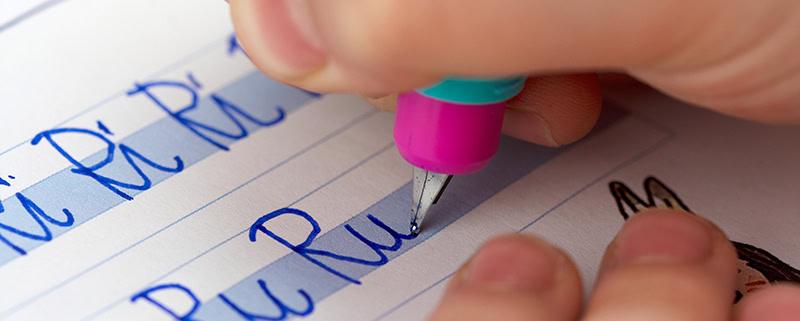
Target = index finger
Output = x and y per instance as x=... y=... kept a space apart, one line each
x=395 y=45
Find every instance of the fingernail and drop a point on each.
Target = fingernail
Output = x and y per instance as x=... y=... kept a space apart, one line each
x=513 y=264
x=663 y=236
x=291 y=35
x=543 y=127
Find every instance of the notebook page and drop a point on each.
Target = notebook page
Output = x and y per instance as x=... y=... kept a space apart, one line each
x=150 y=172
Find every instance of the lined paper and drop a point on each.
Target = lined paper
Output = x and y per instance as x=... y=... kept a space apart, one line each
x=172 y=180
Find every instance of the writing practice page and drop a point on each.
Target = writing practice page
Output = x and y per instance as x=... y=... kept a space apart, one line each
x=148 y=171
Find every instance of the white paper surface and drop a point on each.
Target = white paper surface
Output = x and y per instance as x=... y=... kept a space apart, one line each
x=229 y=186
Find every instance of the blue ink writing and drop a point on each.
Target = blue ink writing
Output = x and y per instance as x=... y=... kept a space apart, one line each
x=233 y=45
x=193 y=81
x=200 y=129
x=303 y=248
x=284 y=310
x=184 y=317
x=37 y=214
x=103 y=128
x=91 y=170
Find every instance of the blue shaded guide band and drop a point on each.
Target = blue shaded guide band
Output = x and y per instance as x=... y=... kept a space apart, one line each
x=186 y=135
x=325 y=263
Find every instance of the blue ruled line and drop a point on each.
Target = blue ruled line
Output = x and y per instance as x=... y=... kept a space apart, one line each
x=362 y=162
x=324 y=139
x=219 y=43
x=605 y=175
x=29 y=14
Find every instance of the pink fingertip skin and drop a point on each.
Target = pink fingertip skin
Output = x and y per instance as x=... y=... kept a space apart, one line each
x=445 y=137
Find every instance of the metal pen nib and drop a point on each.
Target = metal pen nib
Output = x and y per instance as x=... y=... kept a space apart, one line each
x=428 y=187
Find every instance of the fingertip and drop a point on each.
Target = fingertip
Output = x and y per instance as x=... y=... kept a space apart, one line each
x=513 y=277
x=274 y=41
x=514 y=262
x=666 y=265
x=555 y=110
x=780 y=303
x=668 y=236
x=528 y=126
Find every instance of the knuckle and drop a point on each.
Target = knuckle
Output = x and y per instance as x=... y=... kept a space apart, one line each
x=371 y=33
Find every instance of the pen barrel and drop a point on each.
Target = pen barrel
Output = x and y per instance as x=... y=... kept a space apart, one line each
x=453 y=127
x=445 y=137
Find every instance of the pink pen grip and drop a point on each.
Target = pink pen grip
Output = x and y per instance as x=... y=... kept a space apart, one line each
x=445 y=137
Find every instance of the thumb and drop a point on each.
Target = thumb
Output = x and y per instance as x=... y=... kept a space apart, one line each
x=513 y=277
x=719 y=53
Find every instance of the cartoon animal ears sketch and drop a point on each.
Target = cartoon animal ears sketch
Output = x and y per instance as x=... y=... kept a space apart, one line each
x=658 y=196
x=757 y=267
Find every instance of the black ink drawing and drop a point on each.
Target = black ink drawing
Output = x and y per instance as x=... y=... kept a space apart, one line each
x=757 y=267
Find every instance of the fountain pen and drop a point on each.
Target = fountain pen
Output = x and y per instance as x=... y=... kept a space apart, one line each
x=450 y=128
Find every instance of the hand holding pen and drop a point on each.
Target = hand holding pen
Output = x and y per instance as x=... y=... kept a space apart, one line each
x=739 y=58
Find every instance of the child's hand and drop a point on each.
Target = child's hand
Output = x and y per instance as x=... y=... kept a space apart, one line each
x=739 y=57
x=664 y=265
